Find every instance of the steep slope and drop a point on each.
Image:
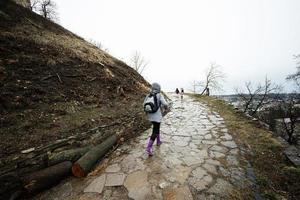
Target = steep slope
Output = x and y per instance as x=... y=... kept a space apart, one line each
x=54 y=84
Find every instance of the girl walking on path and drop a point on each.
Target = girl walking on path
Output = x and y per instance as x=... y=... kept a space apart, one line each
x=156 y=117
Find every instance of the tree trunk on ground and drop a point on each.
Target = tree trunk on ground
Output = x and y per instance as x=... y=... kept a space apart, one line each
x=86 y=162
x=11 y=184
x=23 y=163
x=47 y=177
x=68 y=155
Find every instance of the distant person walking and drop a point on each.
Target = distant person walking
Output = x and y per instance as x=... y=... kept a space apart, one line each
x=181 y=93
x=152 y=106
x=177 y=91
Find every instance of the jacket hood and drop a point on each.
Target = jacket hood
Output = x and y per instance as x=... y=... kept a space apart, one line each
x=155 y=88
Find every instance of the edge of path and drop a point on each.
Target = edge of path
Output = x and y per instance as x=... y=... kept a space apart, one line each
x=275 y=178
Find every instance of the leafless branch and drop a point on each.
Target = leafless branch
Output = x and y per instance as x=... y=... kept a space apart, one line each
x=99 y=45
x=290 y=113
x=138 y=62
x=296 y=76
x=254 y=98
x=213 y=78
x=266 y=89
x=194 y=86
x=47 y=8
x=34 y=5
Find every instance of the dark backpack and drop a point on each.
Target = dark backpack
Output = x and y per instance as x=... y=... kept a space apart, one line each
x=151 y=105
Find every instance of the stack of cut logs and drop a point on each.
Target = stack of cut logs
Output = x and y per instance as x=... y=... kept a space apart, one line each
x=37 y=169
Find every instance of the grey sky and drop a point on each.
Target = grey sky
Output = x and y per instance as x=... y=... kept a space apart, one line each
x=180 y=38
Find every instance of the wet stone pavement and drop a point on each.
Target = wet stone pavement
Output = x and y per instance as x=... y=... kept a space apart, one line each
x=197 y=160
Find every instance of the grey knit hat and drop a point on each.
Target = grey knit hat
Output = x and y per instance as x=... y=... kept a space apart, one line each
x=155 y=88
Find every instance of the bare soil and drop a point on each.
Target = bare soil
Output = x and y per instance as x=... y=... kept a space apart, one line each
x=54 y=84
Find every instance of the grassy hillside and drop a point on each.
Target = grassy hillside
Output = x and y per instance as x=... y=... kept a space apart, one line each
x=276 y=178
x=54 y=84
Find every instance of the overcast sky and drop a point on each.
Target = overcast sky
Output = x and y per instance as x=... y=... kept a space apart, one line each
x=180 y=38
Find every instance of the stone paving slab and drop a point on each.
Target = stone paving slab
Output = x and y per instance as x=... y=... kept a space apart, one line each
x=182 y=193
x=97 y=185
x=113 y=168
x=115 y=179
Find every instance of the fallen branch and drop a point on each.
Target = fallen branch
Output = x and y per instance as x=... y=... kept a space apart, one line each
x=57 y=75
x=32 y=23
x=47 y=77
x=59 y=79
x=53 y=146
x=104 y=126
x=91 y=79
x=74 y=76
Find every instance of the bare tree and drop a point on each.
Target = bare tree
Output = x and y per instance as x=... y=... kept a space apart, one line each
x=248 y=97
x=296 y=77
x=194 y=85
x=47 y=9
x=290 y=113
x=99 y=45
x=34 y=5
x=138 y=62
x=257 y=97
x=267 y=89
x=213 y=78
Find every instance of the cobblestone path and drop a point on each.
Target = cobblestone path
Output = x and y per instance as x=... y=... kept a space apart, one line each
x=197 y=160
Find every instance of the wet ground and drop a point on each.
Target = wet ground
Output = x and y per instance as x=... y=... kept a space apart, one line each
x=197 y=160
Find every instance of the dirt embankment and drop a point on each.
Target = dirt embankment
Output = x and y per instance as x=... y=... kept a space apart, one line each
x=54 y=84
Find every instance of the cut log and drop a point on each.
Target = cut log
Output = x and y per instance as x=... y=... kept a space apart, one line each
x=38 y=159
x=46 y=178
x=55 y=145
x=82 y=167
x=10 y=184
x=68 y=155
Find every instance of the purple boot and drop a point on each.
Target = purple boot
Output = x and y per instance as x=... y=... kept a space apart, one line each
x=158 y=142
x=149 y=148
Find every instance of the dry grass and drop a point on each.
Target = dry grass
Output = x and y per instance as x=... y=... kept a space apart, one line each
x=276 y=179
x=54 y=84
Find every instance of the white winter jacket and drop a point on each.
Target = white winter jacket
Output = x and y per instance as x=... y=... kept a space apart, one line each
x=157 y=116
